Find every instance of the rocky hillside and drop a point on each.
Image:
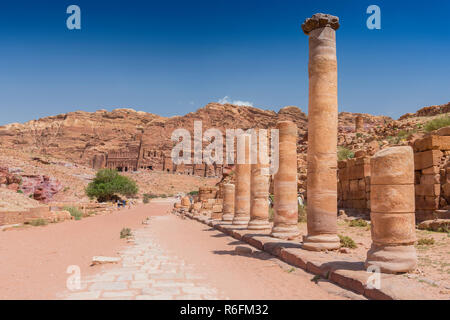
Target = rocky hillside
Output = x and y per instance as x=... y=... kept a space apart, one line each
x=78 y=136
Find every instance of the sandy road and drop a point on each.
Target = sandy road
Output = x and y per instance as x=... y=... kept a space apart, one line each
x=35 y=260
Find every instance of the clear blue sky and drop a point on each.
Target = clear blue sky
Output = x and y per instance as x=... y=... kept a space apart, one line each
x=173 y=57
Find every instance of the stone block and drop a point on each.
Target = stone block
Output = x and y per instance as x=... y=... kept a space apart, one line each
x=393 y=228
x=431 y=170
x=430 y=179
x=432 y=142
x=392 y=198
x=426 y=159
x=428 y=189
x=427 y=202
x=390 y=164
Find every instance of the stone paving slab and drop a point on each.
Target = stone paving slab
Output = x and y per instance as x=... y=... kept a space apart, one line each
x=146 y=272
x=346 y=272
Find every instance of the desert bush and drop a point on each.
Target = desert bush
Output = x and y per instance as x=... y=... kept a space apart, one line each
x=358 y=223
x=108 y=184
x=425 y=242
x=271 y=213
x=344 y=153
x=437 y=123
x=125 y=233
x=38 y=222
x=347 y=242
x=74 y=212
x=193 y=193
x=301 y=213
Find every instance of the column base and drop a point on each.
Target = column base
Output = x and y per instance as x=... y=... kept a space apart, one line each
x=258 y=225
x=392 y=259
x=285 y=232
x=321 y=242
x=240 y=221
x=227 y=217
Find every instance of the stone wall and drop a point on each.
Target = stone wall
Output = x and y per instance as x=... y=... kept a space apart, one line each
x=354 y=185
x=432 y=178
x=432 y=175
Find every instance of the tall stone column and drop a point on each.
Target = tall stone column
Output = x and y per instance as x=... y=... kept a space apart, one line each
x=242 y=188
x=285 y=218
x=392 y=213
x=228 y=202
x=259 y=194
x=322 y=133
x=359 y=124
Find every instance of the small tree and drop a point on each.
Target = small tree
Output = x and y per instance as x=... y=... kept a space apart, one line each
x=108 y=184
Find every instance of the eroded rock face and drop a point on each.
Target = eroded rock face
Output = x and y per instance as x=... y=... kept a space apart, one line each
x=38 y=187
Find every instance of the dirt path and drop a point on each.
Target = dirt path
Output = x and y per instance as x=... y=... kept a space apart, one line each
x=34 y=260
x=172 y=258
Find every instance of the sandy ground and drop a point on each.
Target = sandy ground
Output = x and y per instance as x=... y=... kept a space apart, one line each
x=35 y=259
x=260 y=276
x=433 y=268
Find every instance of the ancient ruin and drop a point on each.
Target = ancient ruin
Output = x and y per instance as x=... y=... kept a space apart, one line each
x=228 y=202
x=259 y=205
x=359 y=124
x=322 y=133
x=392 y=211
x=285 y=216
x=242 y=187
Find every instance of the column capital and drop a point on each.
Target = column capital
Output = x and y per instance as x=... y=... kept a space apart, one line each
x=320 y=20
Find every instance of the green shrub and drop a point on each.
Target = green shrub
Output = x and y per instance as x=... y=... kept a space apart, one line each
x=405 y=134
x=425 y=241
x=193 y=193
x=125 y=233
x=108 y=184
x=163 y=196
x=19 y=191
x=74 y=212
x=271 y=213
x=347 y=242
x=393 y=140
x=344 y=153
x=359 y=135
x=301 y=213
x=358 y=223
x=437 y=123
x=38 y=222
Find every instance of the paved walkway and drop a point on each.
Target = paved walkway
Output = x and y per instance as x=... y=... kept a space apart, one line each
x=146 y=272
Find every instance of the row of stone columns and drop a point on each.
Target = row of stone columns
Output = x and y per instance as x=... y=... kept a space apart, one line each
x=392 y=185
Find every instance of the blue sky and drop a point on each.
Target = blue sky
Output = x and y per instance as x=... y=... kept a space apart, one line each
x=173 y=57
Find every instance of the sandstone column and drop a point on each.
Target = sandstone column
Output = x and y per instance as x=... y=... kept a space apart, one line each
x=242 y=188
x=228 y=202
x=392 y=214
x=285 y=183
x=359 y=124
x=259 y=194
x=322 y=133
